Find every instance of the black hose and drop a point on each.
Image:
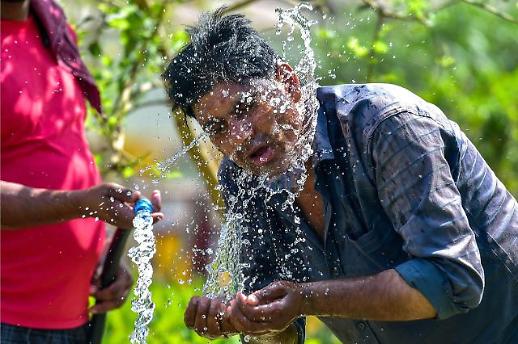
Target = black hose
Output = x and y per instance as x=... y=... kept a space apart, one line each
x=108 y=276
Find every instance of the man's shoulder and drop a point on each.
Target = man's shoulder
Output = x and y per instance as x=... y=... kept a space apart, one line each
x=380 y=94
x=364 y=106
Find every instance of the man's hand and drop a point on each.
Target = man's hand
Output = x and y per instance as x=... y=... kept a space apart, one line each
x=269 y=310
x=208 y=317
x=114 y=295
x=113 y=204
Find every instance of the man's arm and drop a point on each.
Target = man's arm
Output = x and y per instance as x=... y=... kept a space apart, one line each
x=383 y=297
x=24 y=206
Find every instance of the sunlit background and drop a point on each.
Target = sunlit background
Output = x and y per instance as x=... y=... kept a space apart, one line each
x=459 y=54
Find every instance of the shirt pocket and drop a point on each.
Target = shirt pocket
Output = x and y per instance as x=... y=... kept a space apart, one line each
x=378 y=249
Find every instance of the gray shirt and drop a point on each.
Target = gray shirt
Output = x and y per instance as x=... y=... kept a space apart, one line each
x=403 y=189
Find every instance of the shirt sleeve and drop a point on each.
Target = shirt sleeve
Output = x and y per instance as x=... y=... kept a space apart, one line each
x=418 y=193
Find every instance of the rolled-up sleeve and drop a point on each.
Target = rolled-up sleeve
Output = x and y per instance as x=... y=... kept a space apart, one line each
x=418 y=193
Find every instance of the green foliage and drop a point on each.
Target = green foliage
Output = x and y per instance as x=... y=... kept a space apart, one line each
x=167 y=325
x=461 y=58
x=126 y=66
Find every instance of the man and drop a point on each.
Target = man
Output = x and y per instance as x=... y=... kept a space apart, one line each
x=52 y=203
x=401 y=232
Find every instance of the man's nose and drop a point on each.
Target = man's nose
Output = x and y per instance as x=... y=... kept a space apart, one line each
x=240 y=130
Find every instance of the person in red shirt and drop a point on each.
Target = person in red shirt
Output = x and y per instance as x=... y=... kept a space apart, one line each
x=53 y=205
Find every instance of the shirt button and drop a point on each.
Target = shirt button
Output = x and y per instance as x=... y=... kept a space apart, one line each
x=361 y=326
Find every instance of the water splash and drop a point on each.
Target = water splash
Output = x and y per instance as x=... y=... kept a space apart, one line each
x=165 y=166
x=225 y=275
x=141 y=255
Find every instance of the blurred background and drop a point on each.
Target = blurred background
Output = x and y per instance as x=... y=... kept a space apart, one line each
x=461 y=55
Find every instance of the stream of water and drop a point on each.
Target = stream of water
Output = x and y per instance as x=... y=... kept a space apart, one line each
x=225 y=276
x=141 y=255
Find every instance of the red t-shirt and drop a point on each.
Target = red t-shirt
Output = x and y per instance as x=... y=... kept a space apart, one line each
x=46 y=270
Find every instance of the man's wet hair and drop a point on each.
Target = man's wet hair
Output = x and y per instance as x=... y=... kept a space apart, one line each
x=222 y=48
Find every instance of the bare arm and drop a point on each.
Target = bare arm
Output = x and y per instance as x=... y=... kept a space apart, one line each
x=384 y=297
x=24 y=206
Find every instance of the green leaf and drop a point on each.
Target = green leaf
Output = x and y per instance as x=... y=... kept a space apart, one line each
x=175 y=174
x=95 y=49
x=380 y=47
x=127 y=172
x=354 y=45
x=446 y=61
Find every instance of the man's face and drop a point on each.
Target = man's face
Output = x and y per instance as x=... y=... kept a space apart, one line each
x=257 y=125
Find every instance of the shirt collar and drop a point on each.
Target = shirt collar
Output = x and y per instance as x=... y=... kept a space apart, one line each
x=322 y=150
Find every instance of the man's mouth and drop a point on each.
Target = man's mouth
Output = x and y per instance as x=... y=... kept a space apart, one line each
x=261 y=155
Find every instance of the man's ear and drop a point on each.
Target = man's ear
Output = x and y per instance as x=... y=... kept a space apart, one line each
x=285 y=74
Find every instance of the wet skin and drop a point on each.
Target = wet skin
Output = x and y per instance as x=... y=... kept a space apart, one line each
x=256 y=124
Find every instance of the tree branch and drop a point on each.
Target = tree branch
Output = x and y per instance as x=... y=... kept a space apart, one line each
x=492 y=10
x=238 y=5
x=372 y=51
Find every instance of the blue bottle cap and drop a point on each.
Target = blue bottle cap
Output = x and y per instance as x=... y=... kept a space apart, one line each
x=143 y=204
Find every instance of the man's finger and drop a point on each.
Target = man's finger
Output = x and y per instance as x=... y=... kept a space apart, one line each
x=244 y=325
x=245 y=308
x=122 y=193
x=106 y=306
x=117 y=289
x=268 y=294
x=214 y=319
x=267 y=312
x=157 y=217
x=226 y=325
x=200 y=324
x=120 y=215
x=156 y=200
x=261 y=313
x=190 y=313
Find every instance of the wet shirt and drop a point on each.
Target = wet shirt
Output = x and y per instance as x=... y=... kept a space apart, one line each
x=46 y=270
x=403 y=189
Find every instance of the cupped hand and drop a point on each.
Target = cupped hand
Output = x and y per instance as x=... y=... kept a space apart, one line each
x=269 y=310
x=209 y=317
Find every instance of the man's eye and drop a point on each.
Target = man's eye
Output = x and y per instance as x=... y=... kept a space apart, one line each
x=215 y=128
x=244 y=107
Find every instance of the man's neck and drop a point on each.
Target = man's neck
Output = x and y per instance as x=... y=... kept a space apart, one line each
x=311 y=203
x=15 y=10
